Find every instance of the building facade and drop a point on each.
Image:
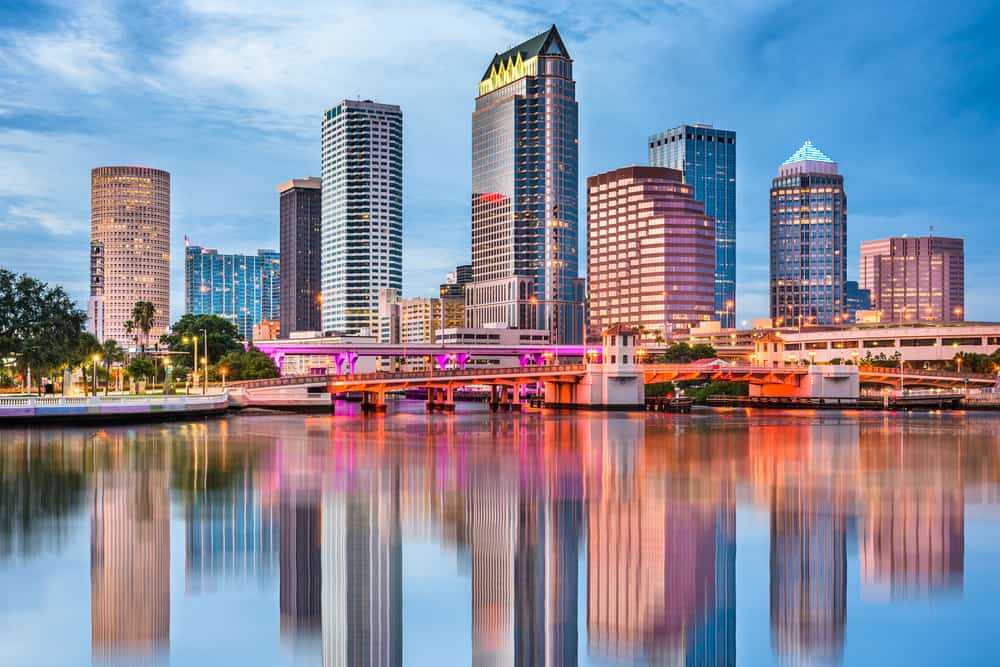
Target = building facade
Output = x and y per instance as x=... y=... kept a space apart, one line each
x=525 y=191
x=707 y=157
x=244 y=289
x=301 y=224
x=362 y=211
x=920 y=278
x=808 y=214
x=454 y=284
x=130 y=221
x=855 y=299
x=650 y=252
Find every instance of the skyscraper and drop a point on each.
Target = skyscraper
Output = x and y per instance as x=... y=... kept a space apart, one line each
x=915 y=278
x=808 y=240
x=707 y=156
x=130 y=220
x=524 y=191
x=362 y=230
x=301 y=224
x=855 y=299
x=454 y=285
x=243 y=289
x=650 y=251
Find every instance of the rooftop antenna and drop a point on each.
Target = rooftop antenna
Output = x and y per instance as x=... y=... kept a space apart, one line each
x=932 y=231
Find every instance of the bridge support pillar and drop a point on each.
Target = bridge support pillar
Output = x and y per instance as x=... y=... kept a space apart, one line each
x=494 y=398
x=449 y=399
x=516 y=397
x=504 y=398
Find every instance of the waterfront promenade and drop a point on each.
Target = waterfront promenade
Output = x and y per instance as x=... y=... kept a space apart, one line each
x=20 y=409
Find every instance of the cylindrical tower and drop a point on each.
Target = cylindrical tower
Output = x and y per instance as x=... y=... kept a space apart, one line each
x=130 y=216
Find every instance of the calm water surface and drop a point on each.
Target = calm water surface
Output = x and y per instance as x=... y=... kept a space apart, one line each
x=719 y=538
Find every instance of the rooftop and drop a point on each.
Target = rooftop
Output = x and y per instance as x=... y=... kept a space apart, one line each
x=807 y=152
x=545 y=43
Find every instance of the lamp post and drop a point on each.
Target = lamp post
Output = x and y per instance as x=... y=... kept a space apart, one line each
x=204 y=361
x=194 y=353
x=97 y=358
x=222 y=372
x=166 y=371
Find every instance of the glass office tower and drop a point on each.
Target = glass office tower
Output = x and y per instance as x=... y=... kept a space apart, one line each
x=707 y=157
x=808 y=240
x=301 y=221
x=362 y=211
x=524 y=192
x=243 y=289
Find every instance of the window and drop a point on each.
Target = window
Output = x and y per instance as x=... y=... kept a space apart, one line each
x=962 y=341
x=916 y=342
x=612 y=358
x=624 y=358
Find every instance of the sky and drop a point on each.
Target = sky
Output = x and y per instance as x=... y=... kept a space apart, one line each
x=227 y=95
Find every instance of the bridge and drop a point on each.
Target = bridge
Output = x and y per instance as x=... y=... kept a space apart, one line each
x=507 y=384
x=346 y=353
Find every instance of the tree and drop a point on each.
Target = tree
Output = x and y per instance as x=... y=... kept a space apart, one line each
x=39 y=324
x=143 y=317
x=682 y=353
x=82 y=355
x=112 y=354
x=251 y=364
x=223 y=338
x=140 y=368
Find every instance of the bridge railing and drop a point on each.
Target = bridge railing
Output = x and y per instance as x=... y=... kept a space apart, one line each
x=347 y=378
x=882 y=370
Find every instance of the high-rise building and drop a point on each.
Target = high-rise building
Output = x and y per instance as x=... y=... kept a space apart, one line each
x=915 y=278
x=244 y=289
x=301 y=224
x=130 y=220
x=362 y=230
x=808 y=240
x=524 y=191
x=707 y=156
x=855 y=299
x=650 y=251
x=95 y=305
x=454 y=284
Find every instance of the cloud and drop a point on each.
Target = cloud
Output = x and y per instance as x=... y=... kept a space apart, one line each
x=33 y=217
x=81 y=51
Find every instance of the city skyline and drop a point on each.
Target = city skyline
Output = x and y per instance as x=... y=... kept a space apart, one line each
x=282 y=135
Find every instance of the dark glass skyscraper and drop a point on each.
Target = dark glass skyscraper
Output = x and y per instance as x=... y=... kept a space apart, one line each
x=808 y=240
x=524 y=191
x=707 y=157
x=301 y=222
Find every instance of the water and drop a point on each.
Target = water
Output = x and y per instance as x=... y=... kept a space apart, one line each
x=718 y=538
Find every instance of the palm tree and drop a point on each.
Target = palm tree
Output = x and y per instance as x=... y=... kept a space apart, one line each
x=130 y=330
x=143 y=316
x=86 y=347
x=112 y=353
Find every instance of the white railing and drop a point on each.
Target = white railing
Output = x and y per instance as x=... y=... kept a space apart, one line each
x=54 y=401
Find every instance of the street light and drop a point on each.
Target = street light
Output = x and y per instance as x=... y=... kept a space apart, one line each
x=204 y=362
x=97 y=358
x=222 y=372
x=166 y=369
x=194 y=347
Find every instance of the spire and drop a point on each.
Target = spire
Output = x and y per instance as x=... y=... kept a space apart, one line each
x=807 y=152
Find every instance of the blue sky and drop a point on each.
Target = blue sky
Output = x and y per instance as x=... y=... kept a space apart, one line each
x=227 y=95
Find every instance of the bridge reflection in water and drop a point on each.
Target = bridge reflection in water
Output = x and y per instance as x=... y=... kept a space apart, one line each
x=614 y=534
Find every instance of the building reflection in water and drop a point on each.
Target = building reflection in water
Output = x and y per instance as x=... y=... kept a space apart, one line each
x=130 y=552
x=362 y=589
x=912 y=519
x=661 y=557
x=650 y=501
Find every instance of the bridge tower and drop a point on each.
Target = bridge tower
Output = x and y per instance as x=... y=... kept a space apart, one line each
x=612 y=383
